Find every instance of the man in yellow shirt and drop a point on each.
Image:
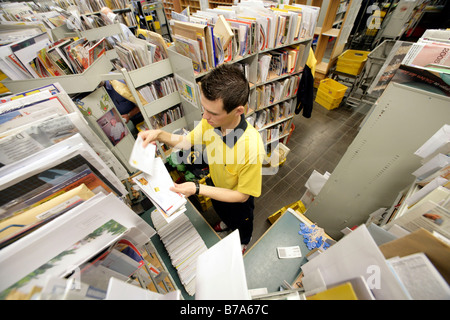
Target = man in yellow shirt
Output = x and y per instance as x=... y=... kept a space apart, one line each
x=233 y=148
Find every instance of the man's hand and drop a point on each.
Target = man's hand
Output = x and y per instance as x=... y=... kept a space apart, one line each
x=216 y=193
x=187 y=188
x=126 y=117
x=149 y=136
x=172 y=140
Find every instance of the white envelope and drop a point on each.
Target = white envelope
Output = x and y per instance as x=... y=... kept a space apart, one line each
x=143 y=158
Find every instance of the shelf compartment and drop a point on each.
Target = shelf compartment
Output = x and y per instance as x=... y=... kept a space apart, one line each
x=177 y=124
x=275 y=122
x=162 y=104
x=150 y=72
x=84 y=82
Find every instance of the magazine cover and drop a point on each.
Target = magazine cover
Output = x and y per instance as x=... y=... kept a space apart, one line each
x=78 y=54
x=430 y=55
x=190 y=49
x=96 y=50
x=429 y=80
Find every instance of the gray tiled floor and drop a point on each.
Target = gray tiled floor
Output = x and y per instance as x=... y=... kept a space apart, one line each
x=317 y=143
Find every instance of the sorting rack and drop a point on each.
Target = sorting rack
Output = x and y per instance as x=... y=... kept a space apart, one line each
x=375 y=61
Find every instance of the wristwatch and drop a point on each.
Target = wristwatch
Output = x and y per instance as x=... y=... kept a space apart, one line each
x=197 y=187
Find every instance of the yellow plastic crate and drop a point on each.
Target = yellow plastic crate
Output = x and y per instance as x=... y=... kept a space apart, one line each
x=351 y=61
x=332 y=88
x=328 y=105
x=327 y=100
x=296 y=206
x=330 y=93
x=205 y=202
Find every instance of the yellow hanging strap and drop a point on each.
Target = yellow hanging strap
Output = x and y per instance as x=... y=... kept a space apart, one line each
x=312 y=61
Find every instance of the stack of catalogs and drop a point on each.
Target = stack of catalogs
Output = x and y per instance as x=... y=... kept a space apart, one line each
x=183 y=244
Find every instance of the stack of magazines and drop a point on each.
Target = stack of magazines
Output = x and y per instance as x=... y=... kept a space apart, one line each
x=166 y=117
x=138 y=53
x=37 y=57
x=133 y=55
x=220 y=35
x=158 y=89
x=276 y=91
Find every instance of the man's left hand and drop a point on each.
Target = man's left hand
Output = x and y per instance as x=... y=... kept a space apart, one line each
x=187 y=188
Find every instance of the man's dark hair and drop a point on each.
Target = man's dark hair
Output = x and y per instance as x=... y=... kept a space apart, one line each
x=226 y=82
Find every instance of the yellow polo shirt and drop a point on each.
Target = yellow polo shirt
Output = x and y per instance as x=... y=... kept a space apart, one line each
x=235 y=161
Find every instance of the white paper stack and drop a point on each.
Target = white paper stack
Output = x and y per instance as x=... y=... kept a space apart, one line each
x=362 y=257
x=431 y=166
x=183 y=244
x=438 y=143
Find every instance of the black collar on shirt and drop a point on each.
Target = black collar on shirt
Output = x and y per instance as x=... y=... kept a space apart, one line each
x=232 y=137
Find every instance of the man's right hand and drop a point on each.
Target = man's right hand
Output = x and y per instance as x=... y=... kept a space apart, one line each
x=149 y=136
x=171 y=140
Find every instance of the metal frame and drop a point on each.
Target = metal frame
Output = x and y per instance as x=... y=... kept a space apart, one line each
x=380 y=160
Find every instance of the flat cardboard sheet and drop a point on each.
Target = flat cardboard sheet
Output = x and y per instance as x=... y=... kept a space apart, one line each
x=421 y=241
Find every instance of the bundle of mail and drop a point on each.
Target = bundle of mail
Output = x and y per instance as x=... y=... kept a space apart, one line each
x=183 y=244
x=155 y=181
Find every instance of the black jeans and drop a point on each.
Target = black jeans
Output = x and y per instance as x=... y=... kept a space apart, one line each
x=237 y=215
